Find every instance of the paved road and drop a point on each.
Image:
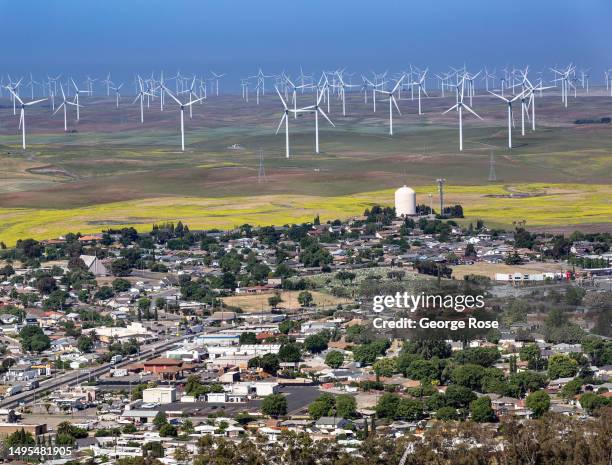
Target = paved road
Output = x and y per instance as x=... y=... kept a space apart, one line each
x=73 y=378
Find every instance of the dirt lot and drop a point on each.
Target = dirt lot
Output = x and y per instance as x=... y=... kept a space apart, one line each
x=259 y=302
x=489 y=269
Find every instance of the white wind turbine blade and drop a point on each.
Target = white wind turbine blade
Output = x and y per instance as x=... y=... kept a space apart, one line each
x=35 y=101
x=15 y=95
x=499 y=96
x=59 y=108
x=398 y=83
x=454 y=107
x=516 y=97
x=172 y=95
x=395 y=103
x=281 y=97
x=325 y=116
x=471 y=111
x=280 y=124
x=194 y=101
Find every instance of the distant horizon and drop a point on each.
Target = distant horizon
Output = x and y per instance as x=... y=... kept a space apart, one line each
x=238 y=37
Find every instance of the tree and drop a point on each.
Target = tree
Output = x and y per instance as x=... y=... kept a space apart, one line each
x=274 y=405
x=538 y=402
x=513 y=259
x=481 y=410
x=447 y=414
x=267 y=362
x=469 y=375
x=323 y=406
x=366 y=354
x=423 y=369
x=160 y=419
x=290 y=353
x=315 y=343
x=305 y=299
x=591 y=402
x=121 y=285
x=153 y=449
x=33 y=339
x=168 y=430
x=345 y=276
x=346 y=406
x=459 y=396
x=532 y=355
x=248 y=338
x=385 y=367
x=470 y=251
x=409 y=409
x=387 y=405
x=121 y=267
x=274 y=300
x=19 y=438
x=571 y=388
x=483 y=356
x=85 y=344
x=334 y=359
x=561 y=366
x=46 y=284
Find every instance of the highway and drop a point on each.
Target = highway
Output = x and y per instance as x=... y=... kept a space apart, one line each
x=73 y=378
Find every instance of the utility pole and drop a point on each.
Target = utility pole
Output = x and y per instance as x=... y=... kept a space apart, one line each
x=441 y=182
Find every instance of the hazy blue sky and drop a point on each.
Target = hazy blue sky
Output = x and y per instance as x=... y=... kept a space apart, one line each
x=125 y=36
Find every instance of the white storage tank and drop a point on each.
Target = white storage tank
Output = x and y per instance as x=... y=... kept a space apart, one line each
x=405 y=202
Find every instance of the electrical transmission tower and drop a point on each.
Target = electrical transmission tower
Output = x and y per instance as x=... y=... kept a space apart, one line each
x=261 y=177
x=441 y=182
x=492 y=175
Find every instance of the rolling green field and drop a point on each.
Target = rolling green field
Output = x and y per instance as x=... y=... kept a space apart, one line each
x=111 y=170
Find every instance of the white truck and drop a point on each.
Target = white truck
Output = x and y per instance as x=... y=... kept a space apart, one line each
x=16 y=389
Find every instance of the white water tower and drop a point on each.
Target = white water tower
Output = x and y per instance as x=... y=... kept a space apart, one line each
x=405 y=202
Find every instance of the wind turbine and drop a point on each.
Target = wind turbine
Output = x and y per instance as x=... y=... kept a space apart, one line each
x=109 y=84
x=141 y=95
x=216 y=77
x=13 y=88
x=77 y=92
x=459 y=106
x=182 y=108
x=22 y=114
x=285 y=119
x=509 y=102
x=486 y=78
x=531 y=90
x=293 y=93
x=420 y=85
x=342 y=89
x=64 y=104
x=316 y=109
x=117 y=94
x=392 y=102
